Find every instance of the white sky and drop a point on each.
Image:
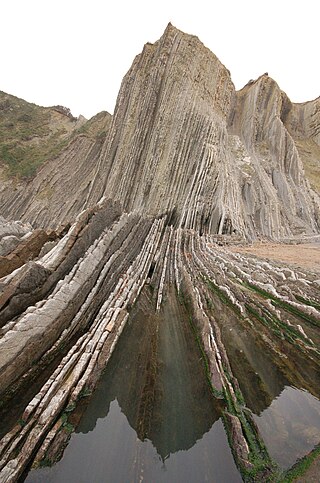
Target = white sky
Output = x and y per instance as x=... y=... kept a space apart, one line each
x=75 y=52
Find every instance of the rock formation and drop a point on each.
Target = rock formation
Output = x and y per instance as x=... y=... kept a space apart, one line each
x=219 y=161
x=152 y=198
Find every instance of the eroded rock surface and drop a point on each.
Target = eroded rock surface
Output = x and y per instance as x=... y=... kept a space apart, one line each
x=183 y=141
x=219 y=161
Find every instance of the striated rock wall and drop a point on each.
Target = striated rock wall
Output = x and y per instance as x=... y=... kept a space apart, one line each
x=58 y=192
x=166 y=151
x=303 y=123
x=303 y=120
x=183 y=142
x=277 y=199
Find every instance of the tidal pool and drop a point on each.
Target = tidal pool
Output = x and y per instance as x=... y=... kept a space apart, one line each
x=112 y=452
x=152 y=417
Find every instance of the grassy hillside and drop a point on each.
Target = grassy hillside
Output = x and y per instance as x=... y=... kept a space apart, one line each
x=31 y=135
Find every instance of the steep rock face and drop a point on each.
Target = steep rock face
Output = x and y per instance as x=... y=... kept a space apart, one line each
x=303 y=121
x=58 y=192
x=183 y=142
x=277 y=199
x=168 y=136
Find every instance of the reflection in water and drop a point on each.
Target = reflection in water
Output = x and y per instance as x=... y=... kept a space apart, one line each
x=113 y=453
x=290 y=426
x=288 y=418
x=152 y=416
x=261 y=373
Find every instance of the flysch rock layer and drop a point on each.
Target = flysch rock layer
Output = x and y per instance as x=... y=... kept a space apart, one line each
x=278 y=200
x=276 y=306
x=303 y=121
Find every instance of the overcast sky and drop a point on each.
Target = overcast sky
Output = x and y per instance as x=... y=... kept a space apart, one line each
x=75 y=52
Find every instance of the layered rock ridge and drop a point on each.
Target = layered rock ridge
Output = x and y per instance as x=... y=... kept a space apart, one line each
x=183 y=142
x=302 y=121
x=168 y=136
x=239 y=306
x=277 y=198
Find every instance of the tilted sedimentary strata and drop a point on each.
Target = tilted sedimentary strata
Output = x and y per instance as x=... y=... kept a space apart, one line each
x=220 y=161
x=187 y=166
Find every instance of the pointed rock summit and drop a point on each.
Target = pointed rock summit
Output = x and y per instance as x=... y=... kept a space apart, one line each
x=184 y=142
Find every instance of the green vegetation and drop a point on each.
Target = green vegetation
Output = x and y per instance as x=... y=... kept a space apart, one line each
x=29 y=135
x=44 y=463
x=70 y=408
x=279 y=328
x=23 y=161
x=300 y=467
x=311 y=303
x=222 y=296
x=85 y=392
x=66 y=425
x=262 y=465
x=284 y=305
x=22 y=422
x=263 y=468
x=204 y=358
x=96 y=127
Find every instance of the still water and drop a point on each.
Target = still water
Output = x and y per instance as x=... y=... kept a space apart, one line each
x=290 y=426
x=152 y=417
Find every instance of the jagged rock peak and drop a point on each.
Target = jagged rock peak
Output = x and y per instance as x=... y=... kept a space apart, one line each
x=184 y=142
x=169 y=119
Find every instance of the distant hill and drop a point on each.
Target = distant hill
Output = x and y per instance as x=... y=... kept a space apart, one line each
x=30 y=135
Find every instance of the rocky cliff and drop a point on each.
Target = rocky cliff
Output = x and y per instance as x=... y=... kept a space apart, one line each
x=302 y=122
x=149 y=200
x=189 y=145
